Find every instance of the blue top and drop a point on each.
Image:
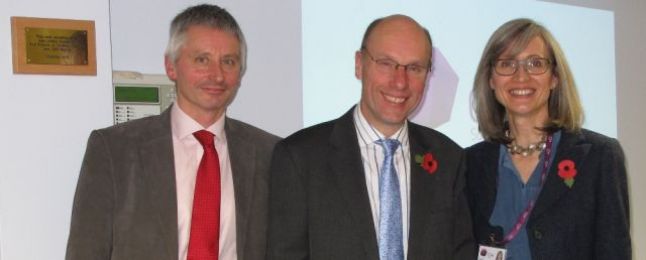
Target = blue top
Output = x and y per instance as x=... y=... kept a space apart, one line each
x=513 y=196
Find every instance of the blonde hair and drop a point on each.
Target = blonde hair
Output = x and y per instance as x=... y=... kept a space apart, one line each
x=564 y=107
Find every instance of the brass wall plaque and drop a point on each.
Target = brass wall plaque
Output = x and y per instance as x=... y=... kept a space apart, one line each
x=53 y=46
x=56 y=46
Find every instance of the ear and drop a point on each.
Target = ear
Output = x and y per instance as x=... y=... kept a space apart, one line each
x=555 y=82
x=170 y=68
x=491 y=84
x=358 y=65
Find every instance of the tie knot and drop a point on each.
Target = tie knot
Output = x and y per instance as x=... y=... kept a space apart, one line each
x=389 y=145
x=204 y=137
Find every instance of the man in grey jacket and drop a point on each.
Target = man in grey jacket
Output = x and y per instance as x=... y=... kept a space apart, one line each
x=141 y=190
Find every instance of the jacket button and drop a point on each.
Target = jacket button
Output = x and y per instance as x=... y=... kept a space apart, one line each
x=537 y=234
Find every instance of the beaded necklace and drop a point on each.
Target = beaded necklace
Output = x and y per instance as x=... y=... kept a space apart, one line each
x=514 y=148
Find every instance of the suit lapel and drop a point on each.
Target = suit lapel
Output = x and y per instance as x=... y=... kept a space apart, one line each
x=242 y=155
x=345 y=162
x=571 y=147
x=487 y=176
x=156 y=153
x=482 y=184
x=420 y=195
x=423 y=194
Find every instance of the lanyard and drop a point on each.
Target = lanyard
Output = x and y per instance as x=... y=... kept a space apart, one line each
x=525 y=215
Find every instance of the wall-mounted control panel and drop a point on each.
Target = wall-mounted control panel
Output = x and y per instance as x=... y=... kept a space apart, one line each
x=139 y=95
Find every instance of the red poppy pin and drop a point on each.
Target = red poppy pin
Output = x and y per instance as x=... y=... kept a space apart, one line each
x=427 y=162
x=567 y=171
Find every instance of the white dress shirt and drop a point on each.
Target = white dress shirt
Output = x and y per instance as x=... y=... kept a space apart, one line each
x=188 y=151
x=372 y=156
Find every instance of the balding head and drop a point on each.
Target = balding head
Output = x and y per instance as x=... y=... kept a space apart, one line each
x=396 y=22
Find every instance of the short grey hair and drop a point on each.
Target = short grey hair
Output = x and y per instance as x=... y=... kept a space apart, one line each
x=208 y=15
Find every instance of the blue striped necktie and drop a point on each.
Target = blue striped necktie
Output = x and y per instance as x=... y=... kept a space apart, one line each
x=391 y=246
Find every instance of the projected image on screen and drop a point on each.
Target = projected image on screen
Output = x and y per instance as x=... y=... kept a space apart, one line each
x=332 y=32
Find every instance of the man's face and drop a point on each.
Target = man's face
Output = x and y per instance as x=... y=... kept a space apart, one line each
x=206 y=72
x=390 y=93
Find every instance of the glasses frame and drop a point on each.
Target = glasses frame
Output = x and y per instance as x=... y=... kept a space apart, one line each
x=392 y=66
x=525 y=63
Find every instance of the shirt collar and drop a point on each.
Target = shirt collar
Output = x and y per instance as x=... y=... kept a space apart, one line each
x=368 y=134
x=183 y=126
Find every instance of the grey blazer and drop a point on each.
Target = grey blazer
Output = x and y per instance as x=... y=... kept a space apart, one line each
x=319 y=206
x=125 y=205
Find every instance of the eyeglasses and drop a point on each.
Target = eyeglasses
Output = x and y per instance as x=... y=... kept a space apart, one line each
x=388 y=66
x=532 y=65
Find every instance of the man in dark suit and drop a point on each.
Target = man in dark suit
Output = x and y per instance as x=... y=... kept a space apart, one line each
x=370 y=184
x=154 y=189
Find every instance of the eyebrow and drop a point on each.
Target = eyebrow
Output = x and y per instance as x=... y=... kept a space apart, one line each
x=236 y=56
x=210 y=54
x=513 y=57
x=416 y=63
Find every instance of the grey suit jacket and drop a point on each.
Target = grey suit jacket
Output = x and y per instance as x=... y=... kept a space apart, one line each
x=125 y=205
x=319 y=206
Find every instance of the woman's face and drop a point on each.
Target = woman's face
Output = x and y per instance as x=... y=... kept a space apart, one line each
x=524 y=93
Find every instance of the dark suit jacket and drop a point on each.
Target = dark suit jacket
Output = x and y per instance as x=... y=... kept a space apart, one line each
x=125 y=205
x=319 y=206
x=588 y=221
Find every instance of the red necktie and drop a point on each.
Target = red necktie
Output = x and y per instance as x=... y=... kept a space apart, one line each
x=205 y=223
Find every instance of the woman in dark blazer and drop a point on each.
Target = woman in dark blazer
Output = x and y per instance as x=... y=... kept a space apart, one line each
x=539 y=185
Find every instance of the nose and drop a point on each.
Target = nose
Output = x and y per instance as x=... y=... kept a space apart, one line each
x=400 y=76
x=521 y=73
x=215 y=72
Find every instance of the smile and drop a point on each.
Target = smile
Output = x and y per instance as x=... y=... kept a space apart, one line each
x=396 y=100
x=522 y=92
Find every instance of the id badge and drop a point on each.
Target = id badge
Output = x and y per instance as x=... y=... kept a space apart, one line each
x=491 y=253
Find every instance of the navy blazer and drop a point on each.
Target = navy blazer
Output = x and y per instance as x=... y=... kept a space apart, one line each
x=589 y=220
x=319 y=206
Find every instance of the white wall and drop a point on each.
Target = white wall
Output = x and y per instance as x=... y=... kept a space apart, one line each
x=45 y=123
x=631 y=93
